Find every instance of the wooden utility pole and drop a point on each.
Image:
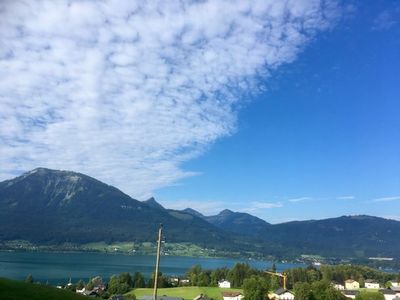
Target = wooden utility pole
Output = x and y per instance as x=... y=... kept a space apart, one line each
x=157 y=262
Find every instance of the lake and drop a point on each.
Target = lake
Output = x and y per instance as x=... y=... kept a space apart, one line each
x=57 y=268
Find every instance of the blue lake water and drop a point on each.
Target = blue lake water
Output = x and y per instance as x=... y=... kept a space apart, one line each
x=57 y=268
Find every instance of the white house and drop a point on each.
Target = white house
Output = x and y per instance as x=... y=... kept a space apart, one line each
x=224 y=284
x=184 y=281
x=389 y=294
x=232 y=296
x=281 y=294
x=82 y=291
x=395 y=283
x=351 y=284
x=338 y=286
x=371 y=284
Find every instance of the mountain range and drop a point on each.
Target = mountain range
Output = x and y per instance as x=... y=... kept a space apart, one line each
x=46 y=206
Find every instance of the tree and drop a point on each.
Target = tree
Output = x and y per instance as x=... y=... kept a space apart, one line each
x=115 y=286
x=193 y=273
x=365 y=295
x=238 y=273
x=275 y=282
x=302 y=290
x=203 y=279
x=322 y=290
x=138 y=280
x=126 y=278
x=162 y=281
x=255 y=288
x=29 y=278
x=217 y=275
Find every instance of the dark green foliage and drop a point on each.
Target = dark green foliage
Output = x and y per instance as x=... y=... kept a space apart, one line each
x=238 y=273
x=322 y=290
x=340 y=273
x=255 y=288
x=217 y=275
x=138 y=280
x=302 y=290
x=309 y=275
x=162 y=281
x=17 y=290
x=370 y=296
x=116 y=286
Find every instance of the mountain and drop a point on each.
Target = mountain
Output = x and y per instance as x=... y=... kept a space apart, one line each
x=240 y=223
x=50 y=206
x=193 y=212
x=46 y=206
x=355 y=236
x=153 y=203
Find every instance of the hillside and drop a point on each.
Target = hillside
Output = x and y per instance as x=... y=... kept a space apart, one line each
x=356 y=236
x=240 y=223
x=50 y=207
x=17 y=290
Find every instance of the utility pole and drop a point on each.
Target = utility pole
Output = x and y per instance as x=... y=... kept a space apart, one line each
x=157 y=262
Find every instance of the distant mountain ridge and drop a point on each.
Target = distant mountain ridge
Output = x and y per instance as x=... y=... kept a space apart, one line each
x=51 y=206
x=46 y=205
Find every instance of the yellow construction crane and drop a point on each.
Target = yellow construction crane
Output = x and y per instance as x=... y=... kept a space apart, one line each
x=283 y=275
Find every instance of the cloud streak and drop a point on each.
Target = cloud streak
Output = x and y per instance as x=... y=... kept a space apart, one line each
x=345 y=198
x=127 y=91
x=386 y=199
x=257 y=206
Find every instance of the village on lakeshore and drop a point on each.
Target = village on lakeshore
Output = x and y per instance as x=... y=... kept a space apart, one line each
x=183 y=288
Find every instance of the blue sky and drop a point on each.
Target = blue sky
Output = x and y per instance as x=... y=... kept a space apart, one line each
x=283 y=109
x=323 y=140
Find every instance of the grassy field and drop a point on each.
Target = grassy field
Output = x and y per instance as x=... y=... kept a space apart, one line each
x=18 y=290
x=187 y=293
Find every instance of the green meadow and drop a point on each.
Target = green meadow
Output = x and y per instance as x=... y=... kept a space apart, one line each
x=187 y=293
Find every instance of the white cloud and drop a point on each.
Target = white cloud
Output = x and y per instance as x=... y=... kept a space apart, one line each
x=345 y=197
x=386 y=199
x=257 y=206
x=300 y=199
x=126 y=91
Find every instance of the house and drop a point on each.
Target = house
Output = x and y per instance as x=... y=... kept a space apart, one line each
x=371 y=284
x=337 y=286
x=394 y=283
x=281 y=294
x=232 y=296
x=184 y=281
x=351 y=284
x=82 y=291
x=389 y=294
x=352 y=294
x=224 y=284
